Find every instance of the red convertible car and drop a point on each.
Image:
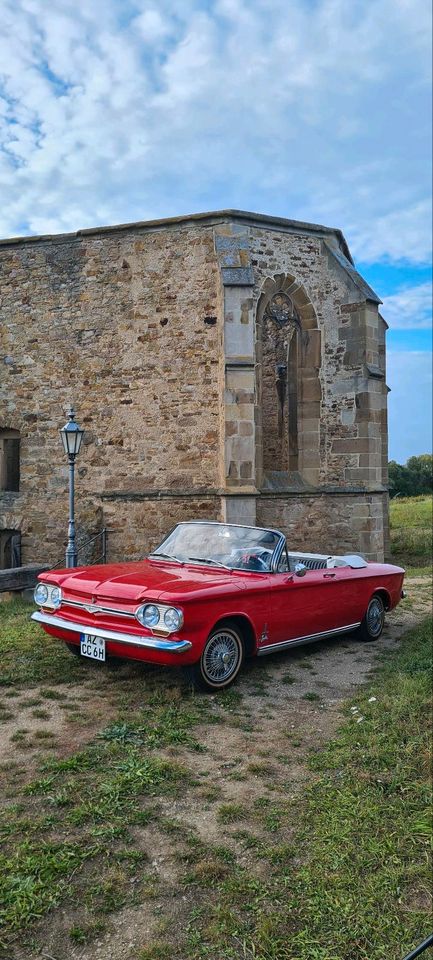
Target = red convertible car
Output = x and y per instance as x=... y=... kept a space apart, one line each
x=212 y=594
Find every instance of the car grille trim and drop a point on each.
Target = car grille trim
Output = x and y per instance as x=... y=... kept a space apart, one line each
x=97 y=608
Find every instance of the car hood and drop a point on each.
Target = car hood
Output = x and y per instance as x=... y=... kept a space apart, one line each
x=147 y=579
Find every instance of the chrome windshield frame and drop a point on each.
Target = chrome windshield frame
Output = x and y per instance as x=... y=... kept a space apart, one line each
x=276 y=555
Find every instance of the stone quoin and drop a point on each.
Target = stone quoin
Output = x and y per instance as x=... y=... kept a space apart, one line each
x=224 y=365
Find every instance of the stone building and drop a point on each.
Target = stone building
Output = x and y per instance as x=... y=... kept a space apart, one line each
x=224 y=365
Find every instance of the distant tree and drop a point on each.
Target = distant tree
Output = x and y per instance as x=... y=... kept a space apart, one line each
x=413 y=478
x=421 y=469
x=398 y=481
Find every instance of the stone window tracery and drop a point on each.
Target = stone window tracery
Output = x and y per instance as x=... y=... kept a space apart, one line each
x=282 y=309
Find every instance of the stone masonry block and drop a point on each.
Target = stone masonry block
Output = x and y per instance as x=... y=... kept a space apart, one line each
x=311 y=389
x=246 y=470
x=246 y=429
x=312 y=353
x=351 y=445
x=240 y=448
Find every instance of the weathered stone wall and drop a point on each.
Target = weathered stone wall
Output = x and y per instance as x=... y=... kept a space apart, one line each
x=128 y=326
x=137 y=525
x=158 y=333
x=341 y=390
x=325 y=523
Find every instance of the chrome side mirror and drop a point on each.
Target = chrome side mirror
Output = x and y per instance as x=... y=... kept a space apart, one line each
x=300 y=569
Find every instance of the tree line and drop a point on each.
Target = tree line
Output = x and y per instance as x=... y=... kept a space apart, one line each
x=412 y=478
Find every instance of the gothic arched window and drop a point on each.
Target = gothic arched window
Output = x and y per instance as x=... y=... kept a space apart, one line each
x=280 y=384
x=288 y=386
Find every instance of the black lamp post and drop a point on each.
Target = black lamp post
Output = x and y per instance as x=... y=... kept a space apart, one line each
x=72 y=436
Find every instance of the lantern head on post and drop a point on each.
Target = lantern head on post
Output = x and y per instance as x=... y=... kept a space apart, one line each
x=71 y=435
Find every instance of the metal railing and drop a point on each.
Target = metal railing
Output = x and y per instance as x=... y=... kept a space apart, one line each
x=423 y=946
x=101 y=558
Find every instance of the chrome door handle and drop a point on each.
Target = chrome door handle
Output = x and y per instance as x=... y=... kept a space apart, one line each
x=329 y=575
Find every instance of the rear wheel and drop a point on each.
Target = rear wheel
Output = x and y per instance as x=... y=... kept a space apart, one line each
x=220 y=661
x=372 y=624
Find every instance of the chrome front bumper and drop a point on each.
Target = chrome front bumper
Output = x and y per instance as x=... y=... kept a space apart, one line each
x=150 y=643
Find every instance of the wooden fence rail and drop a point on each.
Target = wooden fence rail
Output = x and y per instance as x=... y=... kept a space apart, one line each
x=20 y=578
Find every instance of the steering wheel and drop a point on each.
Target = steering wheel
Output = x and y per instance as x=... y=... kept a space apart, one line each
x=246 y=557
x=261 y=562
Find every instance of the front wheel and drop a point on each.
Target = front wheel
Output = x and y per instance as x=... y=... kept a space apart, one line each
x=220 y=661
x=372 y=624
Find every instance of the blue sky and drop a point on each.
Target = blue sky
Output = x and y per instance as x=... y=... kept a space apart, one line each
x=315 y=110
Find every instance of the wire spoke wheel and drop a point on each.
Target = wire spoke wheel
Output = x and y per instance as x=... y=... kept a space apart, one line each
x=373 y=622
x=221 y=657
x=221 y=660
x=375 y=617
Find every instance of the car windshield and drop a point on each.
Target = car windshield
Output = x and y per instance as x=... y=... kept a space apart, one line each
x=219 y=545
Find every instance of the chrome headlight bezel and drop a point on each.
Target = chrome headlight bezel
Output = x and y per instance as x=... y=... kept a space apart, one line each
x=47 y=595
x=40 y=594
x=55 y=596
x=173 y=619
x=160 y=625
x=148 y=615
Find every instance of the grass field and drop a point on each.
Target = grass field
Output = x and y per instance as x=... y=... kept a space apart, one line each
x=361 y=839
x=411 y=533
x=338 y=872
x=231 y=824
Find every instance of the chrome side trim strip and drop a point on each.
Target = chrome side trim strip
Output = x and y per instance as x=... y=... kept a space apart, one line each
x=97 y=609
x=297 y=641
x=151 y=643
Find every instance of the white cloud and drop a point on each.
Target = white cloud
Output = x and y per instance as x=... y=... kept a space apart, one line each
x=403 y=233
x=409 y=374
x=410 y=308
x=119 y=110
x=152 y=26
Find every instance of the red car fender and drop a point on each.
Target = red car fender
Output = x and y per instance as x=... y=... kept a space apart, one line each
x=202 y=618
x=249 y=633
x=391 y=595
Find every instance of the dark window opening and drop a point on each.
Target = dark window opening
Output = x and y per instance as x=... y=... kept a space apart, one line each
x=10 y=549
x=9 y=460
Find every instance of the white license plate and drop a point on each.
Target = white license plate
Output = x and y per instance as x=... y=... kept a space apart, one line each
x=91 y=646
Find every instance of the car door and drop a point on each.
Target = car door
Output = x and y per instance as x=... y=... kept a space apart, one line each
x=318 y=602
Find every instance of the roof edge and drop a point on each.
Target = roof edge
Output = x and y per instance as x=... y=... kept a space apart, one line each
x=356 y=278
x=207 y=218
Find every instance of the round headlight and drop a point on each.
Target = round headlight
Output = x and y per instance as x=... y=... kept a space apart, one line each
x=148 y=615
x=173 y=618
x=41 y=594
x=56 y=596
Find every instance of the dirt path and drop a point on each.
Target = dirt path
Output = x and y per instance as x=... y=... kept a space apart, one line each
x=45 y=721
x=283 y=709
